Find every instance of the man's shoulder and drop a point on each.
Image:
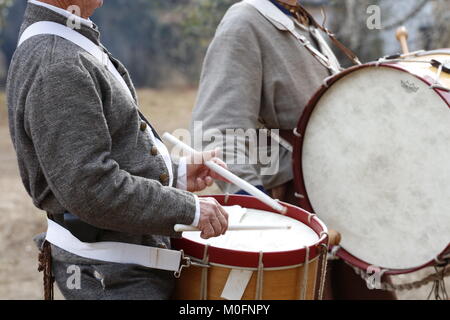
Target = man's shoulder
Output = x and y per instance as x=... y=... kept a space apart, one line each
x=241 y=17
x=46 y=50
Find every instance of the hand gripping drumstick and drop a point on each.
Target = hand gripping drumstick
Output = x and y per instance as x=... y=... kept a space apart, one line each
x=244 y=185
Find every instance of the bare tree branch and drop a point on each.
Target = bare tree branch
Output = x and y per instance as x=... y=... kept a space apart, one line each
x=409 y=16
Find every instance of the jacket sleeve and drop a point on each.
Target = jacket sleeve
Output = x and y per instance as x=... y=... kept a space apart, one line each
x=230 y=96
x=70 y=133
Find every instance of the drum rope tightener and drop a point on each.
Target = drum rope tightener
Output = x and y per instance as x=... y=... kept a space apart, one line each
x=442 y=271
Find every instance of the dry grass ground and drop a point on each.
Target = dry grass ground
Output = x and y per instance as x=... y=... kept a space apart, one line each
x=20 y=221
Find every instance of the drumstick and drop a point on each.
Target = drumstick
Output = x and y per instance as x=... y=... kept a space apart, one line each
x=402 y=37
x=244 y=185
x=185 y=228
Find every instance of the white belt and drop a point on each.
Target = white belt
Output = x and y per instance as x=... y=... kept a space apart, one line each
x=117 y=252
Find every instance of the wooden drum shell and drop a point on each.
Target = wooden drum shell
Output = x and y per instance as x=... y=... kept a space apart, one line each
x=277 y=284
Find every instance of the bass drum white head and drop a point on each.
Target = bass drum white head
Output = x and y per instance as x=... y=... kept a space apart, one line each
x=376 y=166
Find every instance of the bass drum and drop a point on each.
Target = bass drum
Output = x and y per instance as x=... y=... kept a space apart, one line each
x=372 y=160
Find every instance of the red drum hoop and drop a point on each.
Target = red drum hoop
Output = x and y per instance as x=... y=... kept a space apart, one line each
x=251 y=259
x=298 y=155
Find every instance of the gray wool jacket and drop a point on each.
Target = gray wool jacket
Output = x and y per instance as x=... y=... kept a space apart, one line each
x=254 y=73
x=81 y=144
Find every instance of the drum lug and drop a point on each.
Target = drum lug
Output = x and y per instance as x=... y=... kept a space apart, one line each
x=185 y=263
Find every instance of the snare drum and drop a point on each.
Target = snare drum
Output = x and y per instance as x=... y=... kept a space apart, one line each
x=255 y=265
x=372 y=160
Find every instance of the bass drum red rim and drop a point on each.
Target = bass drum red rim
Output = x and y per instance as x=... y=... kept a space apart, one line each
x=251 y=259
x=298 y=155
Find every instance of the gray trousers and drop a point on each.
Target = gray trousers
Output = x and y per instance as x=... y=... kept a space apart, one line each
x=112 y=282
x=84 y=279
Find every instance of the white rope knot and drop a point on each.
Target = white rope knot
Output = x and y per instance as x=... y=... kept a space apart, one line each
x=437 y=278
x=310 y=217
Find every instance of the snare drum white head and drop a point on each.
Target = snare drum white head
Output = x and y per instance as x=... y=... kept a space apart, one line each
x=297 y=237
x=376 y=166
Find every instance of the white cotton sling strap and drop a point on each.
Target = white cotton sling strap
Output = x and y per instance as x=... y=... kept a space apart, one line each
x=116 y=252
x=53 y=28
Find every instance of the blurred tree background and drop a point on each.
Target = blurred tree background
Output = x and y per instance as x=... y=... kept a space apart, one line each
x=163 y=42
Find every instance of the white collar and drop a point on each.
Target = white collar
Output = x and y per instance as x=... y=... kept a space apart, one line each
x=65 y=13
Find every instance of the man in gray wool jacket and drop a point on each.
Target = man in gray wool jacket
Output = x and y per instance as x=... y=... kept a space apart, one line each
x=90 y=159
x=257 y=75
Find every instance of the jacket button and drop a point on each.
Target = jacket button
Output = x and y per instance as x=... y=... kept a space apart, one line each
x=164 y=178
x=154 y=151
x=143 y=126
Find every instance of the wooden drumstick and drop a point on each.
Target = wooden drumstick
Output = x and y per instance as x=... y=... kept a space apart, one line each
x=335 y=238
x=232 y=178
x=402 y=37
x=185 y=228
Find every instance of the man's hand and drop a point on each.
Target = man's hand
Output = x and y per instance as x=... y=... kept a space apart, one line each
x=213 y=218
x=199 y=176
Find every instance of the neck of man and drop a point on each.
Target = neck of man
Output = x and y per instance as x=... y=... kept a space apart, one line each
x=65 y=5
